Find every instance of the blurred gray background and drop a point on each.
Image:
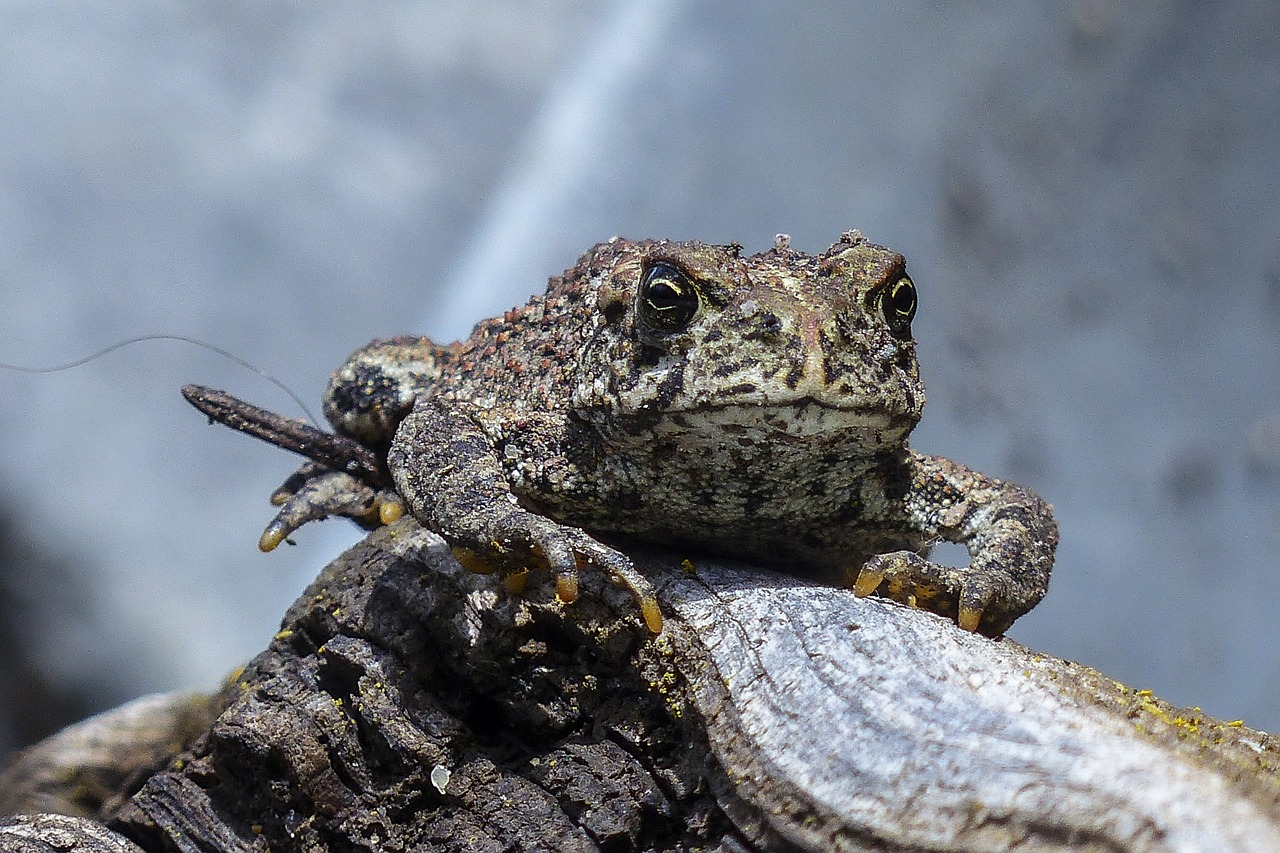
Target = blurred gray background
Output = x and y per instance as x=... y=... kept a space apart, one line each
x=1086 y=193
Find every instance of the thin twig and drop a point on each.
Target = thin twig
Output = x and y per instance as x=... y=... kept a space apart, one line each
x=329 y=449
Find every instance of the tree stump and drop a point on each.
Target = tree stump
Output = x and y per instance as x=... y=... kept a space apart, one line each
x=409 y=704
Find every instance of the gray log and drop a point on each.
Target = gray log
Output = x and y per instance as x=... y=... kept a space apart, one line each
x=407 y=702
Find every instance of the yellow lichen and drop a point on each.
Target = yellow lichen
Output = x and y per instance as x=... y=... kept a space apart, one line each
x=665 y=686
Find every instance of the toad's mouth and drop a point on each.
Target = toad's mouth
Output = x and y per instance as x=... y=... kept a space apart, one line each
x=800 y=418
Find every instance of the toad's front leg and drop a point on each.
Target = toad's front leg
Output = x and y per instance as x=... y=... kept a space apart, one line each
x=1010 y=534
x=449 y=474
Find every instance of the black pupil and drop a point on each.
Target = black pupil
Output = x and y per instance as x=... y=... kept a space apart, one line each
x=663 y=296
x=670 y=300
x=902 y=300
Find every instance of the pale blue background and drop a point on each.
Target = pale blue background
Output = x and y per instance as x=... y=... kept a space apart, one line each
x=1087 y=195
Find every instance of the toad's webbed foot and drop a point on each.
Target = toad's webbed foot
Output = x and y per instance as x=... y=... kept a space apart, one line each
x=315 y=492
x=344 y=477
x=1010 y=534
x=514 y=541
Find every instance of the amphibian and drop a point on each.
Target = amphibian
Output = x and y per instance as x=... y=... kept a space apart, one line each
x=680 y=393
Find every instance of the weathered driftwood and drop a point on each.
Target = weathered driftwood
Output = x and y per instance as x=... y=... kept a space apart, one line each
x=407 y=702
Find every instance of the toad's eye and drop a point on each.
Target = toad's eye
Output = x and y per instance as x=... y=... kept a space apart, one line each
x=897 y=303
x=668 y=298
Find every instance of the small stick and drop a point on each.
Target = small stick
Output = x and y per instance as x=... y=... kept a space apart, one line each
x=329 y=449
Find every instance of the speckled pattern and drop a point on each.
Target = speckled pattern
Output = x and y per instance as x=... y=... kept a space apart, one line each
x=681 y=394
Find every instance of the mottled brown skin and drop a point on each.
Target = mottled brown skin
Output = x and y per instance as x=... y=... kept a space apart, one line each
x=681 y=394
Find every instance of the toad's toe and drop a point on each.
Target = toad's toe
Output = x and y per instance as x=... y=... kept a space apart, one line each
x=328 y=493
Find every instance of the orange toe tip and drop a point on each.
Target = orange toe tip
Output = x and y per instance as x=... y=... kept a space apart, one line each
x=652 y=615
x=516 y=581
x=389 y=512
x=968 y=618
x=271 y=538
x=567 y=588
x=868 y=582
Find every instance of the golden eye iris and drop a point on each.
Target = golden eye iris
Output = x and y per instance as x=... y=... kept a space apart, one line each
x=668 y=298
x=898 y=305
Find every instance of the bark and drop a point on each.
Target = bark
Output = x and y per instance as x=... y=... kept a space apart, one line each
x=408 y=704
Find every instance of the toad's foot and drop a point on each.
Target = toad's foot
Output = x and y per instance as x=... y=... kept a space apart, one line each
x=445 y=467
x=976 y=600
x=515 y=539
x=315 y=492
x=344 y=477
